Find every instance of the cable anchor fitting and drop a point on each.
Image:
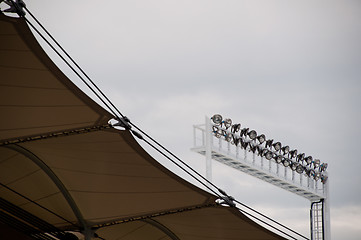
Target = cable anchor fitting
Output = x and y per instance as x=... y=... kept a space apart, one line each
x=16 y=6
x=226 y=199
x=125 y=123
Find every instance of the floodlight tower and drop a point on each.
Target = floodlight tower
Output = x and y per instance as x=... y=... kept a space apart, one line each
x=270 y=161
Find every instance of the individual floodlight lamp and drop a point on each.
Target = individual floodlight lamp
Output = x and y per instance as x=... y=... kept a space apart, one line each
x=269 y=143
x=244 y=132
x=294 y=166
x=300 y=169
x=285 y=149
x=324 y=178
x=293 y=153
x=316 y=163
x=286 y=162
x=261 y=138
x=227 y=123
x=236 y=127
x=218 y=133
x=277 y=146
x=252 y=134
x=262 y=152
x=267 y=154
x=300 y=157
x=215 y=129
x=217 y=119
x=310 y=172
x=308 y=159
x=323 y=167
x=317 y=176
x=278 y=158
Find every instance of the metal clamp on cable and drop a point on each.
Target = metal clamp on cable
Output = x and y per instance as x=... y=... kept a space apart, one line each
x=15 y=7
x=228 y=200
x=123 y=122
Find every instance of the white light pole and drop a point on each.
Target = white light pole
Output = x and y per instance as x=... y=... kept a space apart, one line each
x=208 y=146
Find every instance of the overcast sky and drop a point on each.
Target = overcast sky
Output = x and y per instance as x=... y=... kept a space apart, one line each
x=288 y=69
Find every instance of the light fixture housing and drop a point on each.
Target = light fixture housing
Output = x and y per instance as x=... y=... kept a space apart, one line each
x=278 y=158
x=308 y=160
x=219 y=133
x=277 y=146
x=300 y=157
x=227 y=123
x=268 y=155
x=286 y=162
x=317 y=176
x=285 y=149
x=316 y=163
x=269 y=143
x=300 y=169
x=294 y=166
x=244 y=132
x=323 y=167
x=252 y=134
x=293 y=153
x=261 y=138
x=217 y=119
x=215 y=128
x=236 y=127
x=324 y=178
x=310 y=172
x=263 y=152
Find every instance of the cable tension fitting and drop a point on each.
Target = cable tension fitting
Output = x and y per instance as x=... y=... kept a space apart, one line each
x=124 y=123
x=15 y=7
x=226 y=199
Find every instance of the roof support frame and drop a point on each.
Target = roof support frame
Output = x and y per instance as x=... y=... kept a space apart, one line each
x=161 y=227
x=154 y=214
x=35 y=159
x=56 y=134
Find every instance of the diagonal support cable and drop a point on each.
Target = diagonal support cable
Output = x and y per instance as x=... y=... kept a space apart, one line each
x=107 y=100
